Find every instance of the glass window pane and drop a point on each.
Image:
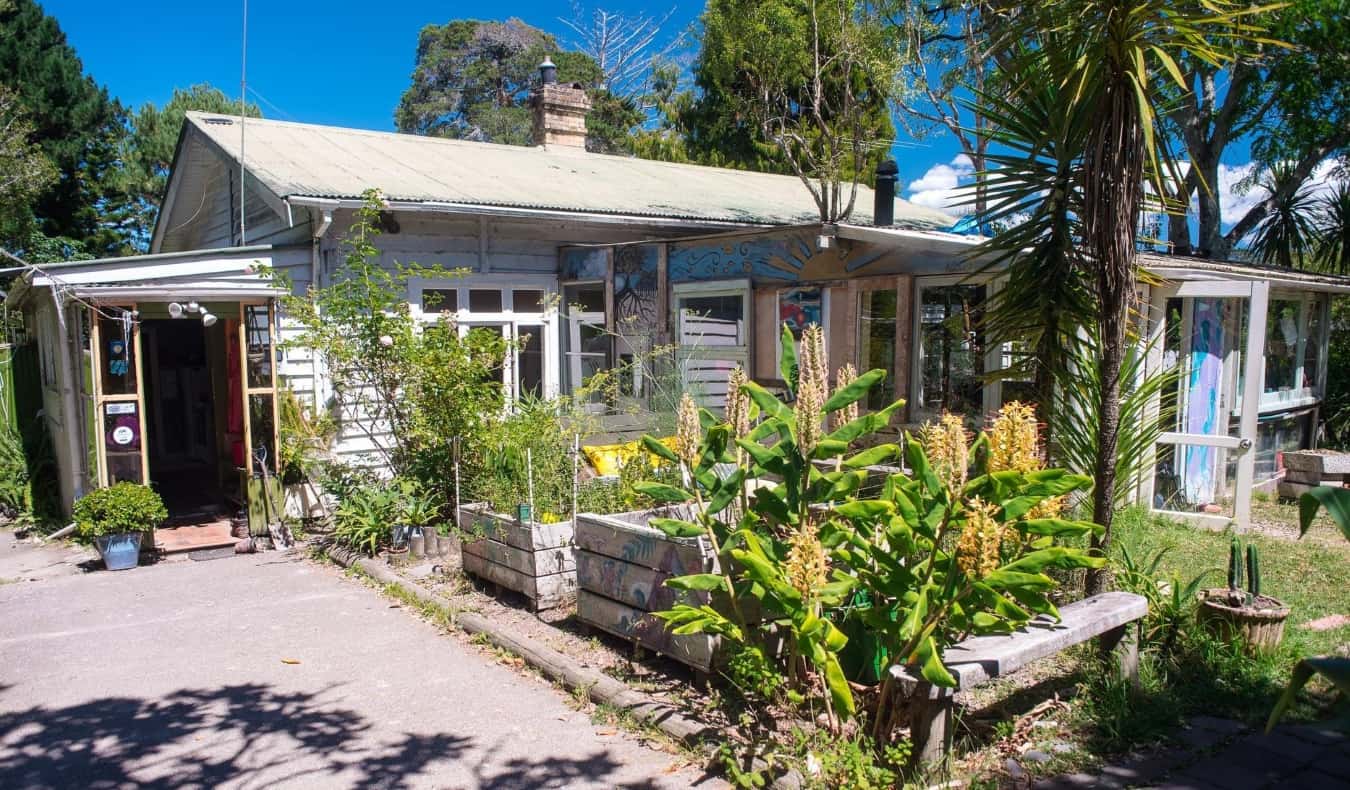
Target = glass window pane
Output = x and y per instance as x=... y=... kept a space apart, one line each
x=118 y=374
x=531 y=361
x=527 y=301
x=259 y=338
x=440 y=300
x=584 y=298
x=1282 y=345
x=122 y=442
x=1195 y=479
x=485 y=300
x=953 y=348
x=712 y=320
x=1312 y=351
x=876 y=342
x=262 y=428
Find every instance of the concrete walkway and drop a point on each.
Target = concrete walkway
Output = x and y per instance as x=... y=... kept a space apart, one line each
x=272 y=671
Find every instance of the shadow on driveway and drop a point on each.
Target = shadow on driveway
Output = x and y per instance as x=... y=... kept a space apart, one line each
x=243 y=735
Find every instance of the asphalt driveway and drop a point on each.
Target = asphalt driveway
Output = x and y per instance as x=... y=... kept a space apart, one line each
x=272 y=671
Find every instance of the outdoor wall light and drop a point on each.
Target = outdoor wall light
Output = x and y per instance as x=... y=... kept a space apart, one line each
x=193 y=307
x=175 y=310
x=208 y=319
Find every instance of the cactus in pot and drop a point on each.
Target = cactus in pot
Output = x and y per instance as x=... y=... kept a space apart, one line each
x=1241 y=611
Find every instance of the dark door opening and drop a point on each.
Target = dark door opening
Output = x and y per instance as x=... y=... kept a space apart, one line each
x=182 y=419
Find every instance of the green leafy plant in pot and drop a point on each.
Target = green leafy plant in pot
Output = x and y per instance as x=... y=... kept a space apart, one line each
x=115 y=518
x=1240 y=611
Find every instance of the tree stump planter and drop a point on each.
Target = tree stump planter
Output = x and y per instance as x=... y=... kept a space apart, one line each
x=1260 y=626
x=531 y=558
x=622 y=566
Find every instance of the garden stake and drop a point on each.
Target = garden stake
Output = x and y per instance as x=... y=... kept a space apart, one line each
x=576 y=453
x=454 y=462
x=529 y=474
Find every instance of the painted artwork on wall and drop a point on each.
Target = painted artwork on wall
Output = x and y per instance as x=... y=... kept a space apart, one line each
x=800 y=308
x=1203 y=410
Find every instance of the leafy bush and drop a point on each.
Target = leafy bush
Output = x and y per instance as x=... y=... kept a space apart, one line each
x=28 y=486
x=366 y=514
x=121 y=507
x=305 y=438
x=938 y=554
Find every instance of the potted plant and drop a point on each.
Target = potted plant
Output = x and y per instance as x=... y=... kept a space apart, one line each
x=114 y=518
x=1235 y=613
x=419 y=513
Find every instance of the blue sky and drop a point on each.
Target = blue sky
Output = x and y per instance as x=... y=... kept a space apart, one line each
x=341 y=62
x=346 y=63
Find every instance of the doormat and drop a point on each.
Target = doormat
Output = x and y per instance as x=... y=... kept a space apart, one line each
x=211 y=554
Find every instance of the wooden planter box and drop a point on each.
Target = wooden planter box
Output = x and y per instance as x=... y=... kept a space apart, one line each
x=1306 y=469
x=622 y=565
x=531 y=558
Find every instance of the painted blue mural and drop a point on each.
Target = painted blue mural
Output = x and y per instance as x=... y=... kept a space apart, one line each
x=585 y=263
x=786 y=257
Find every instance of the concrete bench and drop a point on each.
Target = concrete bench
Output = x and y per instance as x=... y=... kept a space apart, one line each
x=983 y=658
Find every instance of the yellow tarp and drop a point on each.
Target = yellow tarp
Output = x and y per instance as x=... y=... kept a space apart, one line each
x=608 y=459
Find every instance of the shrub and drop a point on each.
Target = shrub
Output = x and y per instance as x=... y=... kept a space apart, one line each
x=121 y=507
x=366 y=514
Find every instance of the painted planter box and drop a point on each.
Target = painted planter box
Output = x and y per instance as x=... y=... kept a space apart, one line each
x=622 y=565
x=531 y=558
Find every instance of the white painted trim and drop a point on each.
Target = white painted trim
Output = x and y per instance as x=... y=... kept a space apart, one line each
x=1199 y=440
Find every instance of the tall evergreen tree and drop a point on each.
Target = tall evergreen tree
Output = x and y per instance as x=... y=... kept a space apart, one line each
x=472 y=81
x=147 y=153
x=75 y=123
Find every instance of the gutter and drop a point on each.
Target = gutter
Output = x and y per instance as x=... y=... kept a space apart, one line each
x=481 y=209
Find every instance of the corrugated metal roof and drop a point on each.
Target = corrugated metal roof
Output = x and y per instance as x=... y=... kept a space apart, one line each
x=297 y=159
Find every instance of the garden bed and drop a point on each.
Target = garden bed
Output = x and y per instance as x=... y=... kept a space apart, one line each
x=622 y=565
x=529 y=557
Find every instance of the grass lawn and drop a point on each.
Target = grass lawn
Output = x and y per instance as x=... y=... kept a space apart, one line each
x=1311 y=575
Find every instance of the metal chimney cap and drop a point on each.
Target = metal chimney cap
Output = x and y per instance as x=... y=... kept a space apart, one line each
x=548 y=73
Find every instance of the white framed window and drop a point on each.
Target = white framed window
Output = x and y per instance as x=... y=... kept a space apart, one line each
x=588 y=347
x=520 y=306
x=1293 y=350
x=712 y=329
x=950 y=358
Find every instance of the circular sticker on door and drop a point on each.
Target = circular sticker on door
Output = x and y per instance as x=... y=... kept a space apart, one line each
x=123 y=435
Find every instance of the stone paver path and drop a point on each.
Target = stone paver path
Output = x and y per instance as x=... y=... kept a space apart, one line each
x=1220 y=754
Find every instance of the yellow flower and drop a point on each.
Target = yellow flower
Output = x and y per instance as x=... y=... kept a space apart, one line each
x=688 y=431
x=946 y=444
x=812 y=384
x=806 y=567
x=981 y=536
x=1014 y=440
x=842 y=378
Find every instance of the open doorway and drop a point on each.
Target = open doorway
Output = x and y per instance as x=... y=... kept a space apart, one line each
x=183 y=417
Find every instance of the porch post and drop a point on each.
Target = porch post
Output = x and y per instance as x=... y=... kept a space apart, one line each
x=1254 y=369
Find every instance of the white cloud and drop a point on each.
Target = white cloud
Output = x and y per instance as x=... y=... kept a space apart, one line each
x=944 y=186
x=1239 y=192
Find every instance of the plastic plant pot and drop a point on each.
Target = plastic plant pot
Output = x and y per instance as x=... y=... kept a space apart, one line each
x=120 y=552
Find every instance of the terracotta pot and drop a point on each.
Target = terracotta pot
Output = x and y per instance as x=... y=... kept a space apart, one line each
x=1260 y=626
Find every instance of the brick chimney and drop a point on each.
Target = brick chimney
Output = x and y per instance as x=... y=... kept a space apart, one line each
x=559 y=110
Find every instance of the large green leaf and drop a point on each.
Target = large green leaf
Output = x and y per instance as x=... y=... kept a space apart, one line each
x=1333 y=668
x=662 y=492
x=658 y=449
x=867 y=424
x=873 y=456
x=855 y=391
x=767 y=403
x=676 y=528
x=1062 y=557
x=1004 y=579
x=1059 y=527
x=1335 y=500
x=787 y=359
x=700 y=582
x=930 y=664
x=727 y=491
